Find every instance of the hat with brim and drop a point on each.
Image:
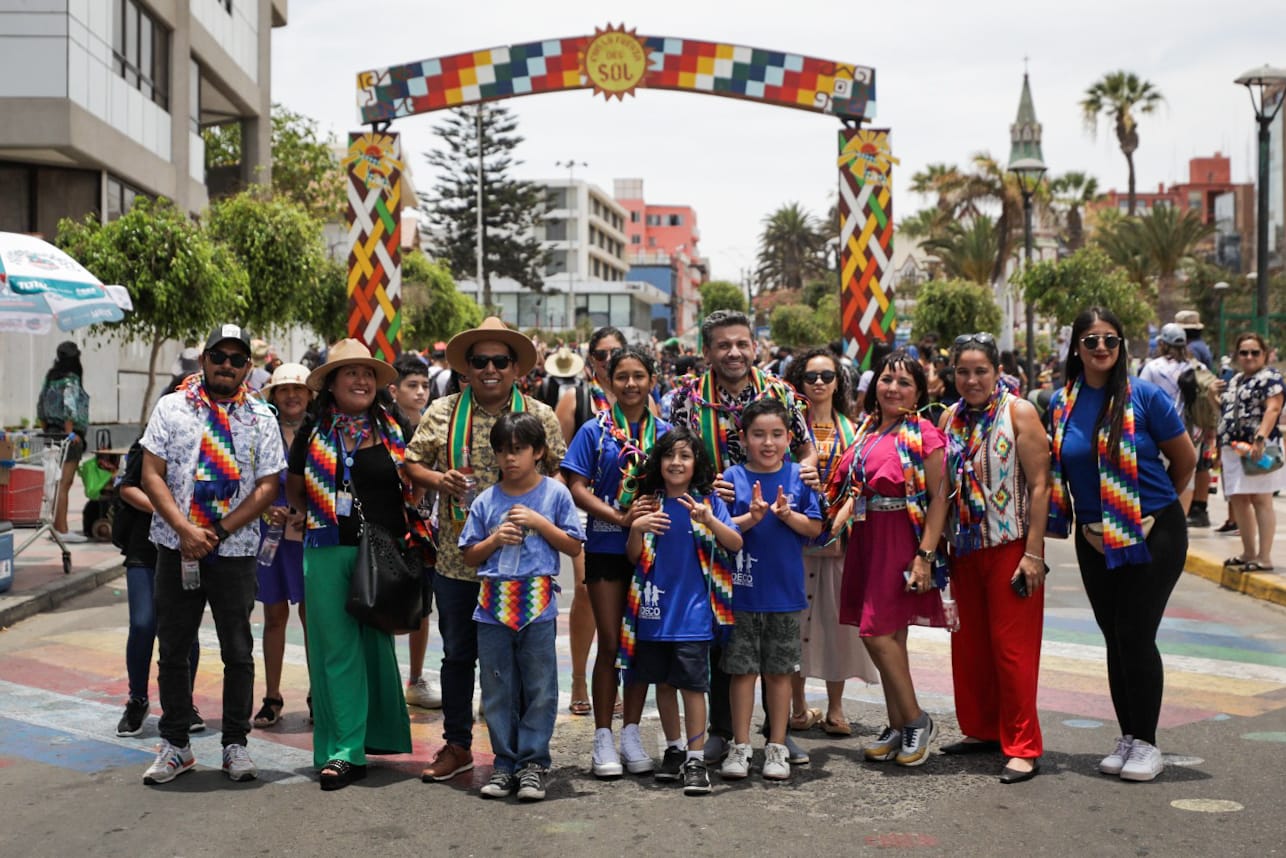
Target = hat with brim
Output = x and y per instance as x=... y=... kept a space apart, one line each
x=287 y=373
x=1189 y=320
x=491 y=330
x=345 y=353
x=564 y=363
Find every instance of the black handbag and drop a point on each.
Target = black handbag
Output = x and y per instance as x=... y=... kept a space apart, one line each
x=386 y=591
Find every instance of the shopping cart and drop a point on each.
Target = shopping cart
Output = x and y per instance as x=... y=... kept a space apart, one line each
x=33 y=488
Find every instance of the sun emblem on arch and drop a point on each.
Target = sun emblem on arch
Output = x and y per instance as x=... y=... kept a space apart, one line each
x=614 y=61
x=867 y=156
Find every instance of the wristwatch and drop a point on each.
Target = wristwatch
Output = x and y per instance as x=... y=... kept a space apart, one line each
x=219 y=531
x=925 y=555
x=1260 y=438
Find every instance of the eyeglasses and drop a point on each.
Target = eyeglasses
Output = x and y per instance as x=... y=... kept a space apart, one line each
x=219 y=358
x=500 y=362
x=983 y=339
x=1249 y=353
x=1110 y=341
x=605 y=354
x=825 y=376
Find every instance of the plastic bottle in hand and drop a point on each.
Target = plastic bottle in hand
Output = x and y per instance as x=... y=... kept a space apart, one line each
x=470 y=481
x=191 y=573
x=268 y=547
x=950 y=612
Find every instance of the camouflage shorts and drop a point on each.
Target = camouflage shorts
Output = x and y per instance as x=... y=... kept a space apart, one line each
x=762 y=643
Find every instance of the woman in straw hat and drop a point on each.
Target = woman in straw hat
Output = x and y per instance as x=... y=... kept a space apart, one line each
x=345 y=463
x=281 y=582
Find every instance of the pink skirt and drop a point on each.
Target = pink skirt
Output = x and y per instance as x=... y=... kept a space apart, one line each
x=873 y=595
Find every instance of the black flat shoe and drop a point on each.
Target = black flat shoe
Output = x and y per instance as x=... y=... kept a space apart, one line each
x=957 y=749
x=1016 y=776
x=338 y=774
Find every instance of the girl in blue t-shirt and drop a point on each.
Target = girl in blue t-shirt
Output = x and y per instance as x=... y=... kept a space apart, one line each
x=681 y=590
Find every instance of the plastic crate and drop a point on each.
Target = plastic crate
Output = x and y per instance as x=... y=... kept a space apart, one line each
x=20 y=499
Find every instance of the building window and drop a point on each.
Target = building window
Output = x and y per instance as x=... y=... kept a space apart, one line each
x=120 y=197
x=141 y=50
x=634 y=217
x=676 y=220
x=651 y=241
x=636 y=239
x=653 y=220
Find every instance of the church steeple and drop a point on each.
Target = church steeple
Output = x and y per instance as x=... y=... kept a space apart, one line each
x=1024 y=134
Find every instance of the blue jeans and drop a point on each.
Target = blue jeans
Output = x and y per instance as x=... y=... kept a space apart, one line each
x=456 y=600
x=140 y=582
x=519 y=675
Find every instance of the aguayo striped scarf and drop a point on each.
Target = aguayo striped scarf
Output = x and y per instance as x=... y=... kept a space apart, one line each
x=218 y=477
x=461 y=436
x=713 y=420
x=516 y=602
x=1123 y=541
x=968 y=431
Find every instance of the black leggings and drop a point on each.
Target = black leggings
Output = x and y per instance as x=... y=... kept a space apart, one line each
x=1128 y=603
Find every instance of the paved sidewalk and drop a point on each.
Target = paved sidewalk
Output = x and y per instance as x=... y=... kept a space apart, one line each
x=1207 y=550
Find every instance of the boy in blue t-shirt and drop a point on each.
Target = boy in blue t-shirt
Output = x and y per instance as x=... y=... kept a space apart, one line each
x=514 y=533
x=778 y=515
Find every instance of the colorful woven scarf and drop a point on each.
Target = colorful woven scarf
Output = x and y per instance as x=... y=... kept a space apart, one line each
x=632 y=450
x=460 y=428
x=845 y=435
x=969 y=430
x=713 y=420
x=1118 y=485
x=716 y=565
x=217 y=477
x=515 y=602
x=597 y=396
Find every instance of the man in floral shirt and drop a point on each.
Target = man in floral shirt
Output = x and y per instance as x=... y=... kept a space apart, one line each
x=211 y=458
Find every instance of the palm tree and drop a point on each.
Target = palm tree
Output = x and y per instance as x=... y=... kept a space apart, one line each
x=1120 y=95
x=1073 y=191
x=968 y=249
x=1169 y=238
x=792 y=248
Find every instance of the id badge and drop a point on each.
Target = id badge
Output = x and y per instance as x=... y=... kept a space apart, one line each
x=859 y=508
x=344 y=503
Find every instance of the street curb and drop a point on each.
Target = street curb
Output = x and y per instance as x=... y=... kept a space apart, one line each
x=53 y=594
x=1266 y=586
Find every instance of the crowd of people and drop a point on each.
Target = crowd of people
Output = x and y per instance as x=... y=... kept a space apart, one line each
x=734 y=519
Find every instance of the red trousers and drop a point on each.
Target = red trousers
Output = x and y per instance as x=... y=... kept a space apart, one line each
x=995 y=657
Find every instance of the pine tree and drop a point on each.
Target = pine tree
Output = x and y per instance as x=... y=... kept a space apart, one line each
x=511 y=208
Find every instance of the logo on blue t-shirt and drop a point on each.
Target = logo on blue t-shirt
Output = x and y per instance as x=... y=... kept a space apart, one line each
x=651 y=607
x=743 y=577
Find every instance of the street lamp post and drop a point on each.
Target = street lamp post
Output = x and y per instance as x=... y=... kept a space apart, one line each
x=1221 y=289
x=1263 y=78
x=573 y=227
x=1029 y=172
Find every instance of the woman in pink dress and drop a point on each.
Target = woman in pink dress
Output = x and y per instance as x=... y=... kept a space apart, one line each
x=890 y=488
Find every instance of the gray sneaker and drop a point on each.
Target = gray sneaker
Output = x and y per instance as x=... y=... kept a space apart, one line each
x=531 y=784
x=237 y=763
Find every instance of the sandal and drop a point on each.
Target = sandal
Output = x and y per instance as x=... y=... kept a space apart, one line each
x=270 y=714
x=580 y=707
x=1234 y=561
x=337 y=774
x=806 y=720
x=1255 y=566
x=837 y=728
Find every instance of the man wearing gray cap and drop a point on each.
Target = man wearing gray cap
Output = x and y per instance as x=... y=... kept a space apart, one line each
x=211 y=458
x=1174 y=371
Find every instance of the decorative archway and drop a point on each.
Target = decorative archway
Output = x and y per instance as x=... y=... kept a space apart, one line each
x=616 y=62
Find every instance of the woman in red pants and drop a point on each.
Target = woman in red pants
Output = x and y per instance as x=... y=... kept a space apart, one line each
x=997 y=560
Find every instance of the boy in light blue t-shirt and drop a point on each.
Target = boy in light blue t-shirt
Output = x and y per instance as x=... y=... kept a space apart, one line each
x=514 y=534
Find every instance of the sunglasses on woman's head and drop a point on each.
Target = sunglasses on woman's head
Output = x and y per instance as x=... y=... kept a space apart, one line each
x=826 y=376
x=1249 y=352
x=219 y=358
x=605 y=354
x=1110 y=341
x=982 y=339
x=500 y=362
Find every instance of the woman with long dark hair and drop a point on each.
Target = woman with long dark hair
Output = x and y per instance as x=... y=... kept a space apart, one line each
x=346 y=466
x=1110 y=434
x=63 y=409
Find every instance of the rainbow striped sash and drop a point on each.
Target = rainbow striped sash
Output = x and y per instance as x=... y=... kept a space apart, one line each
x=218 y=476
x=713 y=420
x=460 y=436
x=515 y=602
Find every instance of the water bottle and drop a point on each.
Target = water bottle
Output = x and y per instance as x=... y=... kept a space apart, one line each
x=470 y=481
x=510 y=557
x=268 y=547
x=191 y=574
x=949 y=610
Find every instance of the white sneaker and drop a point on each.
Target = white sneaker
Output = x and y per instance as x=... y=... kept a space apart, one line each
x=71 y=537
x=886 y=747
x=1115 y=761
x=170 y=762
x=637 y=760
x=1144 y=763
x=915 y=743
x=605 y=761
x=237 y=763
x=424 y=694
x=737 y=764
x=775 y=766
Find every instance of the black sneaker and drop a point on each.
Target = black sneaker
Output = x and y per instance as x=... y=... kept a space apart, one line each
x=1198 y=518
x=696 y=778
x=1227 y=527
x=531 y=784
x=671 y=764
x=131 y=723
x=501 y=785
x=197 y=724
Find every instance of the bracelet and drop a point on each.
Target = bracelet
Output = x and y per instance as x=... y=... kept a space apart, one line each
x=1033 y=556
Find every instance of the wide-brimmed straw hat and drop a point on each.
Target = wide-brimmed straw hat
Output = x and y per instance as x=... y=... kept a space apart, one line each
x=344 y=353
x=287 y=373
x=1189 y=320
x=491 y=330
x=564 y=363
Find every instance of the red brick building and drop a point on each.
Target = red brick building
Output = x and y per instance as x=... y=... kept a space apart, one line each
x=664 y=237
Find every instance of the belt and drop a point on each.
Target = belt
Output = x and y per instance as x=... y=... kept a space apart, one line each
x=883 y=503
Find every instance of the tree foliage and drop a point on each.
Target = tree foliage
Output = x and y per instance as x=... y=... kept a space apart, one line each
x=1120 y=95
x=181 y=281
x=967 y=249
x=1087 y=278
x=1072 y=191
x=796 y=325
x=510 y=208
x=432 y=308
x=722 y=295
x=792 y=248
x=327 y=313
x=954 y=307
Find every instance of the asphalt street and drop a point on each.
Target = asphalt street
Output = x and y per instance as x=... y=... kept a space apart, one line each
x=69 y=786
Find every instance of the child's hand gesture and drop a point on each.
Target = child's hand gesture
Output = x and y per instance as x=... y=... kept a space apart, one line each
x=640 y=507
x=758 y=506
x=526 y=517
x=509 y=533
x=700 y=513
x=781 y=506
x=653 y=522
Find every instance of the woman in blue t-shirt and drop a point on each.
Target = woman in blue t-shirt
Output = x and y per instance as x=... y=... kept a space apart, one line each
x=601 y=467
x=1110 y=433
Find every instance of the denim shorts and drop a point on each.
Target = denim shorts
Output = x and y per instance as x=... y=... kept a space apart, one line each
x=607 y=567
x=762 y=643
x=680 y=664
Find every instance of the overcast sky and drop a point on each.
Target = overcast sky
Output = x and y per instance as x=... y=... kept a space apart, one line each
x=948 y=78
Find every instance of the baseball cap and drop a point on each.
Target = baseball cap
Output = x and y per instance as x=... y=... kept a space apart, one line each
x=1173 y=335
x=228 y=332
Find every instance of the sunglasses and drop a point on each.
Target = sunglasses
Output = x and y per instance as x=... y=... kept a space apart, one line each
x=219 y=358
x=1250 y=353
x=605 y=354
x=825 y=376
x=500 y=362
x=1110 y=341
x=982 y=339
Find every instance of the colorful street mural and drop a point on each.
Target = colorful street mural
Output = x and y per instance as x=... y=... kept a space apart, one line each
x=866 y=240
x=374 y=171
